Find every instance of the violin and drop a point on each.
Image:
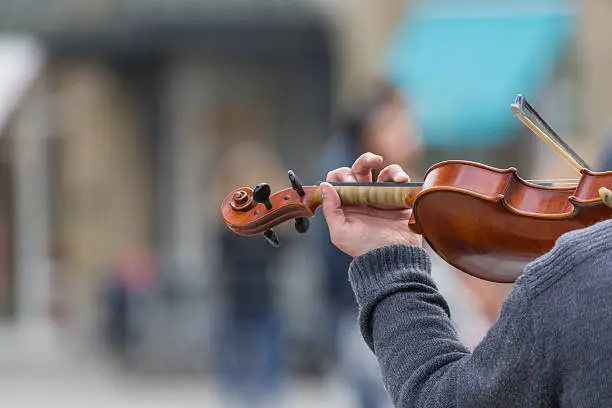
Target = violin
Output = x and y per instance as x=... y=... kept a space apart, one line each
x=484 y=221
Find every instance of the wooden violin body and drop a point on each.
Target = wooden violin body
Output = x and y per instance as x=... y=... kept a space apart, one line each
x=484 y=221
x=490 y=223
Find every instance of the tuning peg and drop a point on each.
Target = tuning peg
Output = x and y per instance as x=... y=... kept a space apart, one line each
x=261 y=194
x=272 y=238
x=302 y=224
x=296 y=184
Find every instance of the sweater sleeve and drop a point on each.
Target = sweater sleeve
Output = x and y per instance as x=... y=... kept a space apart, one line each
x=406 y=323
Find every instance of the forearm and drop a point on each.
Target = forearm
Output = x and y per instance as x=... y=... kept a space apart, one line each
x=406 y=323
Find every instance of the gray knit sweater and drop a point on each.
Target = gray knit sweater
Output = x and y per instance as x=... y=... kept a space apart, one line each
x=551 y=347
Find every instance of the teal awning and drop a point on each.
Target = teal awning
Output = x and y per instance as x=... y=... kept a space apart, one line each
x=462 y=66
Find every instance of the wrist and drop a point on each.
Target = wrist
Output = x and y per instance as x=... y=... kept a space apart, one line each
x=383 y=266
x=391 y=257
x=414 y=240
x=379 y=273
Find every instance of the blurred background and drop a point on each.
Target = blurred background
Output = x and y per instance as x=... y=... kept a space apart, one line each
x=124 y=123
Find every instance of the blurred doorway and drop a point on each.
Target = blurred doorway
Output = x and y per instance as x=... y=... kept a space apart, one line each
x=7 y=216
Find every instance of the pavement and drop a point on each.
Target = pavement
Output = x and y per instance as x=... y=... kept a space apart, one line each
x=39 y=369
x=86 y=390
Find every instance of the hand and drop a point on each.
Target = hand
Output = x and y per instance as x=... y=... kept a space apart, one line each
x=356 y=230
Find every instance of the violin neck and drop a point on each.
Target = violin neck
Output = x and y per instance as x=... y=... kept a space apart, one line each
x=383 y=194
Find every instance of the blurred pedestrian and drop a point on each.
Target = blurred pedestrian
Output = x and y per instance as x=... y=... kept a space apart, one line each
x=249 y=349
x=134 y=274
x=381 y=124
x=606 y=156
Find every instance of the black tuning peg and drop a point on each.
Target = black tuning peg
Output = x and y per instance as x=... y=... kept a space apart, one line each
x=272 y=238
x=302 y=224
x=261 y=194
x=296 y=184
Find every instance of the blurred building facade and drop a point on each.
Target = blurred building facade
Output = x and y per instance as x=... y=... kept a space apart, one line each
x=121 y=130
x=168 y=96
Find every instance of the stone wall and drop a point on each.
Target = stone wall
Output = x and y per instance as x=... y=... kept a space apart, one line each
x=103 y=176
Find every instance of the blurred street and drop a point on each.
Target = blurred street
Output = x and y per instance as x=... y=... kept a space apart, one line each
x=51 y=376
x=93 y=389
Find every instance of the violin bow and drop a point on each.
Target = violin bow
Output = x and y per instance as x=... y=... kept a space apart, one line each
x=530 y=118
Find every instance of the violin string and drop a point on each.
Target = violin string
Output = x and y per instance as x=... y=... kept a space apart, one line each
x=553 y=180
x=557 y=182
x=547 y=182
x=416 y=184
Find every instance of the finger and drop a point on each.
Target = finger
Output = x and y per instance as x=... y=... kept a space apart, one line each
x=332 y=208
x=362 y=168
x=393 y=173
x=606 y=196
x=341 y=175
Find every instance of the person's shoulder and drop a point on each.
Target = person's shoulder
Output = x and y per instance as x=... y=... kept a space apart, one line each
x=570 y=304
x=588 y=248
x=596 y=235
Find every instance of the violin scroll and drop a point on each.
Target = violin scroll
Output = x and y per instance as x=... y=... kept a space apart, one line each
x=242 y=199
x=248 y=211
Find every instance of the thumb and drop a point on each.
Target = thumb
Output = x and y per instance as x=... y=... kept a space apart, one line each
x=332 y=206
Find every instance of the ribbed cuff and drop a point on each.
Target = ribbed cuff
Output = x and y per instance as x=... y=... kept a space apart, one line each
x=373 y=271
